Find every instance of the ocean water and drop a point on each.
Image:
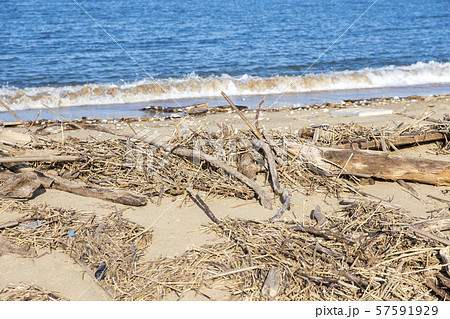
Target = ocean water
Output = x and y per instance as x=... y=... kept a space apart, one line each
x=108 y=57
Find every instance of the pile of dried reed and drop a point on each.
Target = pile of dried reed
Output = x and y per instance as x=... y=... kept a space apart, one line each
x=365 y=252
x=91 y=240
x=28 y=292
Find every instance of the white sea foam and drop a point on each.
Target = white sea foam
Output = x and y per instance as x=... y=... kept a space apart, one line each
x=193 y=86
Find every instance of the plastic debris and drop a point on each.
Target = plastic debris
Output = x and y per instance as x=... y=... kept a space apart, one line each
x=361 y=112
x=32 y=225
x=101 y=272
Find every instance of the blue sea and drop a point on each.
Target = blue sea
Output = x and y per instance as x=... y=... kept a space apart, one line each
x=108 y=58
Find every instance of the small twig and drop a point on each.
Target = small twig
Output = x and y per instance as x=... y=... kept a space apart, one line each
x=286 y=200
x=257 y=113
x=160 y=196
x=345 y=165
x=409 y=188
x=252 y=128
x=272 y=165
x=63 y=117
x=429 y=235
x=359 y=281
x=231 y=272
x=200 y=203
x=439 y=199
x=12 y=112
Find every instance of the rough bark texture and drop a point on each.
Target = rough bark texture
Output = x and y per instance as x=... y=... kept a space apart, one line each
x=380 y=165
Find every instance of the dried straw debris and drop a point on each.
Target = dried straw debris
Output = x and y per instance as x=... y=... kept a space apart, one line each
x=28 y=292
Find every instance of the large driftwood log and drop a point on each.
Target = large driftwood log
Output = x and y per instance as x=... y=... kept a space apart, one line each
x=398 y=140
x=379 y=165
x=125 y=197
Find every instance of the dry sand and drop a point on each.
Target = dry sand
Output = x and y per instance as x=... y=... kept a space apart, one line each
x=176 y=226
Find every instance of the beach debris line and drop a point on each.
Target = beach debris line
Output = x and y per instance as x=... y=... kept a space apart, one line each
x=169 y=109
x=195 y=109
x=358 y=254
x=151 y=162
x=264 y=197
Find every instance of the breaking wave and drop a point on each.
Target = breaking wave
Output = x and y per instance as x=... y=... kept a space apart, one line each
x=193 y=86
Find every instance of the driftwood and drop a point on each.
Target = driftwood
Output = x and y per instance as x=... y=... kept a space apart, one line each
x=10 y=124
x=200 y=203
x=272 y=164
x=252 y=128
x=287 y=201
x=247 y=166
x=170 y=109
x=445 y=281
x=397 y=141
x=382 y=166
x=431 y=283
x=426 y=234
x=442 y=223
x=272 y=284
x=9 y=224
x=319 y=248
x=12 y=112
x=439 y=199
x=264 y=197
x=323 y=233
x=50 y=158
x=444 y=253
x=258 y=111
x=9 y=247
x=5 y=175
x=317 y=215
x=115 y=195
x=359 y=281
x=20 y=186
x=124 y=197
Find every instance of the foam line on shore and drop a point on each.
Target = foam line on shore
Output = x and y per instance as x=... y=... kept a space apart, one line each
x=193 y=86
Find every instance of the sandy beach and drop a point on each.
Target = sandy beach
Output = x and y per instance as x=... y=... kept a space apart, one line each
x=176 y=225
